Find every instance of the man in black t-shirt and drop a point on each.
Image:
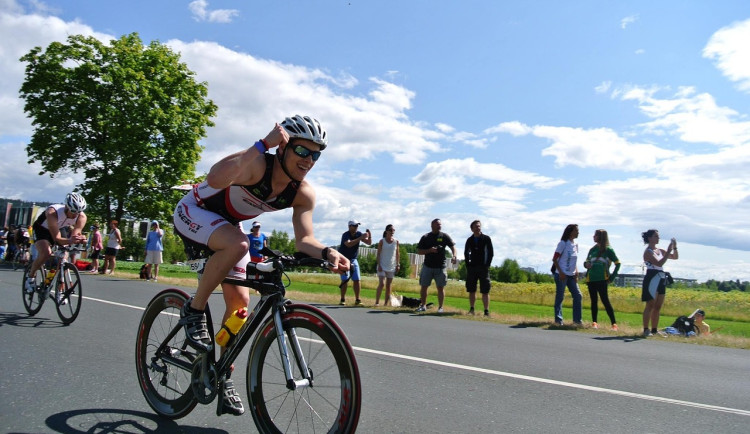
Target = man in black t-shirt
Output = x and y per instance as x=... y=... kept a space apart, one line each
x=433 y=246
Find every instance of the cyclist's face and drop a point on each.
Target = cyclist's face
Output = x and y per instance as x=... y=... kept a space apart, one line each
x=297 y=165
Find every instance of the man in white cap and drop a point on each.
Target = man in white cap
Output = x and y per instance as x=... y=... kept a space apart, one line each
x=349 y=248
x=154 y=249
x=258 y=241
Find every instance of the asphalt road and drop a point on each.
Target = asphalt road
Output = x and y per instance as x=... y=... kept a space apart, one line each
x=420 y=374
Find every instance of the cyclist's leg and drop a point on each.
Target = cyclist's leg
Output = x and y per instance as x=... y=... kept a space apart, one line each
x=235 y=297
x=44 y=251
x=230 y=245
x=204 y=228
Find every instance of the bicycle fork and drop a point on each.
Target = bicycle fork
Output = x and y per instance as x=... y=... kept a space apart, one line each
x=281 y=338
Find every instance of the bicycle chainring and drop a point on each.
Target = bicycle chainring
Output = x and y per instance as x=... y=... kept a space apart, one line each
x=204 y=381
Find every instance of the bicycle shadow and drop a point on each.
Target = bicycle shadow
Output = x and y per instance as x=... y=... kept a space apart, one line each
x=19 y=319
x=114 y=420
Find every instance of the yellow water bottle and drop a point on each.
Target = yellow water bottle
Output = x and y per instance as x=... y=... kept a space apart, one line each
x=230 y=328
x=50 y=276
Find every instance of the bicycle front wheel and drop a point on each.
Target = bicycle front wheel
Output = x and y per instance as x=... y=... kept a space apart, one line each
x=331 y=404
x=68 y=293
x=33 y=300
x=163 y=359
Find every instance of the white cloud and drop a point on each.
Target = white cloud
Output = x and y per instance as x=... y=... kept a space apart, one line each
x=454 y=179
x=361 y=126
x=200 y=11
x=691 y=117
x=729 y=48
x=625 y=22
x=513 y=128
x=603 y=87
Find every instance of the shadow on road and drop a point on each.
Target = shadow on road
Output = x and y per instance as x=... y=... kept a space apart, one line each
x=113 y=420
x=631 y=338
x=24 y=320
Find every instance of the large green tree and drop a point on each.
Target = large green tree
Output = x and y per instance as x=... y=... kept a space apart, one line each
x=128 y=116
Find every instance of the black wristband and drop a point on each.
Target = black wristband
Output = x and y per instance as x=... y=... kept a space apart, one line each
x=324 y=252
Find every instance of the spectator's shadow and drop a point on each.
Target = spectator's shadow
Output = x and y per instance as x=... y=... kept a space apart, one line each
x=529 y=324
x=113 y=420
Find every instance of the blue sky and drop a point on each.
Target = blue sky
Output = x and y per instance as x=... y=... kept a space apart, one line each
x=526 y=115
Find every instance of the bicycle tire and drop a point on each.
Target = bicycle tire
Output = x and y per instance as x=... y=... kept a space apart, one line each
x=332 y=404
x=33 y=301
x=165 y=385
x=68 y=293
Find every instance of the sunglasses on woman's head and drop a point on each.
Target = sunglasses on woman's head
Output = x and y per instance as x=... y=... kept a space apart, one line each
x=303 y=152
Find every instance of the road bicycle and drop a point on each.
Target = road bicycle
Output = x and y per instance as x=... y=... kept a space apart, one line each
x=64 y=288
x=21 y=257
x=302 y=375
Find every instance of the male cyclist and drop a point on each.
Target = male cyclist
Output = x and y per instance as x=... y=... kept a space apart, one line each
x=47 y=230
x=240 y=187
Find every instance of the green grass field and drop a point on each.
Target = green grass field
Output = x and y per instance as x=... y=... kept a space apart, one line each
x=527 y=304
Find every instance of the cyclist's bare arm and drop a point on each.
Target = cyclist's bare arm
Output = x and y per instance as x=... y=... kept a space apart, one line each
x=76 y=235
x=244 y=167
x=305 y=241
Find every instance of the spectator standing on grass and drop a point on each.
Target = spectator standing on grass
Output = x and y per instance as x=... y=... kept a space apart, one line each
x=350 y=249
x=387 y=260
x=598 y=262
x=433 y=246
x=566 y=274
x=96 y=248
x=10 y=238
x=478 y=254
x=3 y=237
x=258 y=241
x=654 y=287
x=154 y=249
x=114 y=244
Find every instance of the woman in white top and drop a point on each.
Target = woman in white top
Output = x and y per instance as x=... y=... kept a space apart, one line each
x=566 y=274
x=388 y=263
x=114 y=244
x=655 y=281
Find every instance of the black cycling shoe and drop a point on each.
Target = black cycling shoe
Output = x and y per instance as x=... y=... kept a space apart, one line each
x=230 y=401
x=196 y=327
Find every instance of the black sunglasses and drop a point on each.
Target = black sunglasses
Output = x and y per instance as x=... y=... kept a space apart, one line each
x=303 y=152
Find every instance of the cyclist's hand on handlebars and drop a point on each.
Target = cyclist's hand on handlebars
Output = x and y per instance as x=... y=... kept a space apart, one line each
x=340 y=264
x=76 y=239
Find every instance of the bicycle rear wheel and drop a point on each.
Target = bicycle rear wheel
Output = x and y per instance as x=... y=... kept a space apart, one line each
x=163 y=359
x=68 y=293
x=34 y=300
x=331 y=404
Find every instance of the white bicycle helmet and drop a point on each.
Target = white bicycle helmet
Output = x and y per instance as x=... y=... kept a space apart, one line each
x=75 y=202
x=305 y=127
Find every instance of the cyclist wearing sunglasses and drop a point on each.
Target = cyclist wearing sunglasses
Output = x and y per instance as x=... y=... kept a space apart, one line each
x=240 y=187
x=47 y=230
